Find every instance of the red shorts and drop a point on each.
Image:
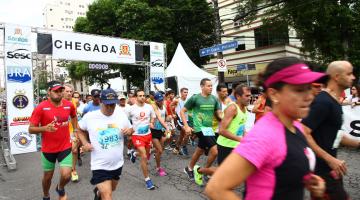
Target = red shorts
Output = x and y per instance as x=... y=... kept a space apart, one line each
x=142 y=141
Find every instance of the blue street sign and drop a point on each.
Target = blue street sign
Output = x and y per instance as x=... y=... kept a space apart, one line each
x=218 y=48
x=241 y=67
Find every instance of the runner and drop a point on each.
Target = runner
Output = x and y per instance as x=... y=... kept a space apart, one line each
x=232 y=95
x=142 y=116
x=51 y=119
x=123 y=106
x=323 y=126
x=232 y=127
x=274 y=157
x=204 y=107
x=106 y=129
x=95 y=103
x=158 y=134
x=67 y=94
x=183 y=138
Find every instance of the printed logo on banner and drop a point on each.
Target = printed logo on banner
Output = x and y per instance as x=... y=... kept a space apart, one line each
x=22 y=139
x=157 y=63
x=20 y=100
x=157 y=78
x=125 y=50
x=355 y=125
x=19 y=54
x=17 y=38
x=18 y=74
x=17 y=121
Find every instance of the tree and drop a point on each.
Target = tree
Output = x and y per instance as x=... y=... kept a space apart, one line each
x=187 y=21
x=328 y=29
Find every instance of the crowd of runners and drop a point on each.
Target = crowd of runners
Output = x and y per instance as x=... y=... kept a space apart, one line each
x=292 y=147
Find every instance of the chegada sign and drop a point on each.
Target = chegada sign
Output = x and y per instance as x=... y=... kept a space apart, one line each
x=85 y=47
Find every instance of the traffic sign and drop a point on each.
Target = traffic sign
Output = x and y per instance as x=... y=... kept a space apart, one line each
x=221 y=63
x=218 y=48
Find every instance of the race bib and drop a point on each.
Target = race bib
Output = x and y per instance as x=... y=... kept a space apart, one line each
x=207 y=131
x=109 y=137
x=143 y=129
x=240 y=131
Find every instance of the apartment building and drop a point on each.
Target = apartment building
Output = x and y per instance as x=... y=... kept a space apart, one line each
x=257 y=46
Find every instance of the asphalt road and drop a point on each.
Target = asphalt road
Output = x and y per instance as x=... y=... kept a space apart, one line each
x=25 y=182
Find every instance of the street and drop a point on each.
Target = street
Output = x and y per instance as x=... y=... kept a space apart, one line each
x=25 y=182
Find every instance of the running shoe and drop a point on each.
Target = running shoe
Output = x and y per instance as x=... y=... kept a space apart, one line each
x=133 y=156
x=161 y=172
x=168 y=147
x=197 y=176
x=149 y=185
x=184 y=151
x=177 y=152
x=74 y=176
x=189 y=173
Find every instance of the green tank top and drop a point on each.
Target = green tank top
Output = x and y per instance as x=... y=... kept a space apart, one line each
x=236 y=127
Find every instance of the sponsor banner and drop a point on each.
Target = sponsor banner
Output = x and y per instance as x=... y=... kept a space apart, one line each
x=351 y=124
x=157 y=68
x=17 y=35
x=20 y=140
x=84 y=47
x=19 y=87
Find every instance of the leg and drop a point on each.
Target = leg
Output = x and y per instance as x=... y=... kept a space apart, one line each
x=159 y=150
x=114 y=184
x=179 y=142
x=195 y=157
x=65 y=173
x=46 y=182
x=74 y=151
x=142 y=153
x=213 y=152
x=105 y=189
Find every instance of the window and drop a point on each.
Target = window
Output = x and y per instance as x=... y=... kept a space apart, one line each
x=241 y=43
x=271 y=35
x=50 y=9
x=62 y=19
x=51 y=25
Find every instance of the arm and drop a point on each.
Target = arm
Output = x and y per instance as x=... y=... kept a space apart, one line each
x=229 y=114
x=221 y=186
x=347 y=141
x=33 y=129
x=183 y=119
x=74 y=123
x=335 y=164
x=84 y=140
x=218 y=114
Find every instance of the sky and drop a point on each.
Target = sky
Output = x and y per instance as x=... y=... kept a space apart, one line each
x=22 y=12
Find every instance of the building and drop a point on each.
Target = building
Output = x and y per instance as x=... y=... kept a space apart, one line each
x=257 y=46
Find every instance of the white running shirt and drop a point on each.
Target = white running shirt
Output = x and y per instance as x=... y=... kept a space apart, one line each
x=106 y=138
x=140 y=118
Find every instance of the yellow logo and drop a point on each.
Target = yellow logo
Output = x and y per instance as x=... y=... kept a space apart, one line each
x=124 y=50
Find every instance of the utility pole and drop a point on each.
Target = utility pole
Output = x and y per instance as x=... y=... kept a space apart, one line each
x=219 y=55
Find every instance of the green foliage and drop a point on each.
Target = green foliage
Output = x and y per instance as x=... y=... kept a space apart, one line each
x=329 y=29
x=187 y=21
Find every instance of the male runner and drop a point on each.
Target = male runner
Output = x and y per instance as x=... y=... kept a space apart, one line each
x=95 y=103
x=322 y=128
x=183 y=138
x=67 y=94
x=51 y=119
x=106 y=128
x=142 y=116
x=205 y=107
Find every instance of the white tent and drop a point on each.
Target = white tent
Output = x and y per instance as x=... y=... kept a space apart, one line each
x=186 y=73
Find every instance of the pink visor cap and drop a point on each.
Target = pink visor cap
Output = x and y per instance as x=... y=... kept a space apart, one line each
x=296 y=74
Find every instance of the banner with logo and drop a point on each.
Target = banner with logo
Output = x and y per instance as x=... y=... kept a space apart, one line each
x=85 y=47
x=19 y=87
x=351 y=124
x=157 y=66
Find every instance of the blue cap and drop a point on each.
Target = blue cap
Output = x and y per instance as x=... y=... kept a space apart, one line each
x=109 y=96
x=159 y=96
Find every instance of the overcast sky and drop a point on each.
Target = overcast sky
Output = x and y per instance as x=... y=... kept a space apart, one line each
x=22 y=12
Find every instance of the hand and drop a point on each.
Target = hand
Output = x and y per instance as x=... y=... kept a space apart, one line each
x=339 y=166
x=88 y=147
x=50 y=127
x=187 y=130
x=127 y=131
x=316 y=185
